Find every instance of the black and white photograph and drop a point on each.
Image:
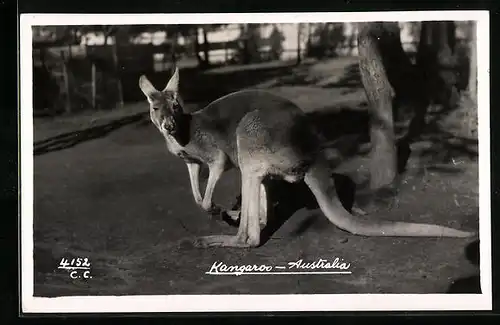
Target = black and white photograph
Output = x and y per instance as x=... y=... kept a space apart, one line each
x=255 y=162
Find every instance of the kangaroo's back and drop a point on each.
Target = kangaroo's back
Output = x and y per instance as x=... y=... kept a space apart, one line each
x=220 y=119
x=231 y=108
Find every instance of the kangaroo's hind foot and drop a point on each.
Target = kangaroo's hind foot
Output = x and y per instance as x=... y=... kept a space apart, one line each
x=221 y=241
x=358 y=211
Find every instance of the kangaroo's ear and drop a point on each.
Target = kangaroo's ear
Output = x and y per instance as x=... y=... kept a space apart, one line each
x=147 y=88
x=173 y=83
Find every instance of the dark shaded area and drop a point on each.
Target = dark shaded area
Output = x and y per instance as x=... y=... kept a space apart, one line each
x=276 y=40
x=286 y=201
x=472 y=252
x=44 y=260
x=325 y=40
x=441 y=152
x=437 y=62
x=203 y=88
x=335 y=122
x=470 y=284
x=287 y=198
x=45 y=90
x=197 y=85
x=71 y=139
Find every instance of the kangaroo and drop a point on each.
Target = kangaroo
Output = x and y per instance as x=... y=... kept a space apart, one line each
x=263 y=135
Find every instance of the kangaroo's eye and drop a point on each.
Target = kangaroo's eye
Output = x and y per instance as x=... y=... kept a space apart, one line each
x=155 y=108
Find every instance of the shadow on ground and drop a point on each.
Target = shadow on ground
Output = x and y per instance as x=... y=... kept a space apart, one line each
x=470 y=284
x=285 y=199
x=71 y=139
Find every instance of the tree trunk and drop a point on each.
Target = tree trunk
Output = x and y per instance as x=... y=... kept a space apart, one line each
x=120 y=41
x=197 y=47
x=117 y=69
x=379 y=92
x=253 y=42
x=472 y=84
x=436 y=61
x=352 y=39
x=309 y=35
x=245 y=55
x=175 y=38
x=299 y=48
x=226 y=54
x=206 y=49
x=472 y=113
x=94 y=86
x=394 y=91
x=67 y=88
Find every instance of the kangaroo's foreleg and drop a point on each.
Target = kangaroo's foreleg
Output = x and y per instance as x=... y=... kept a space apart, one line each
x=214 y=174
x=194 y=178
x=216 y=169
x=206 y=202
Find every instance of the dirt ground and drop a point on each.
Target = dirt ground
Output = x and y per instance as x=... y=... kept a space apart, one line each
x=118 y=198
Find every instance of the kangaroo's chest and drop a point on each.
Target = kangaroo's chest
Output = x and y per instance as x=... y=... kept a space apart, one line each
x=187 y=153
x=173 y=146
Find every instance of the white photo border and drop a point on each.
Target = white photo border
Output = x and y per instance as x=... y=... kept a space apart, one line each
x=251 y=303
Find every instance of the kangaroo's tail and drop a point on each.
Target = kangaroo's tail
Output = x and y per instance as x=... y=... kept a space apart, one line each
x=323 y=187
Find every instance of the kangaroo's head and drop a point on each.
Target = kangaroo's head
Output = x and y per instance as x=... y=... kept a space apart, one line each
x=166 y=106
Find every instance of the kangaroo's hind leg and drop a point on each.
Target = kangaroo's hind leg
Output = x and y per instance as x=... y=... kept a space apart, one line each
x=249 y=228
x=234 y=214
x=263 y=206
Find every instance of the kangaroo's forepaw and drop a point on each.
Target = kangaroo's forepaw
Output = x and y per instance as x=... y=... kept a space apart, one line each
x=220 y=241
x=214 y=211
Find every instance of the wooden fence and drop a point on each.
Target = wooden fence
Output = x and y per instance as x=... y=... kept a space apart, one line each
x=71 y=78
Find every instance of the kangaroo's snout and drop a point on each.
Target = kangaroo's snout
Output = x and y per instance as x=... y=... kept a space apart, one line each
x=168 y=125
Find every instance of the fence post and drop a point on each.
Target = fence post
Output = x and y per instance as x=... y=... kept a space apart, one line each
x=299 y=50
x=226 y=53
x=94 y=106
x=117 y=72
x=66 y=82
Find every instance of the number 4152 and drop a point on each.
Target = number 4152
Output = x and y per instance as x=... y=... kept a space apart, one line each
x=65 y=262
